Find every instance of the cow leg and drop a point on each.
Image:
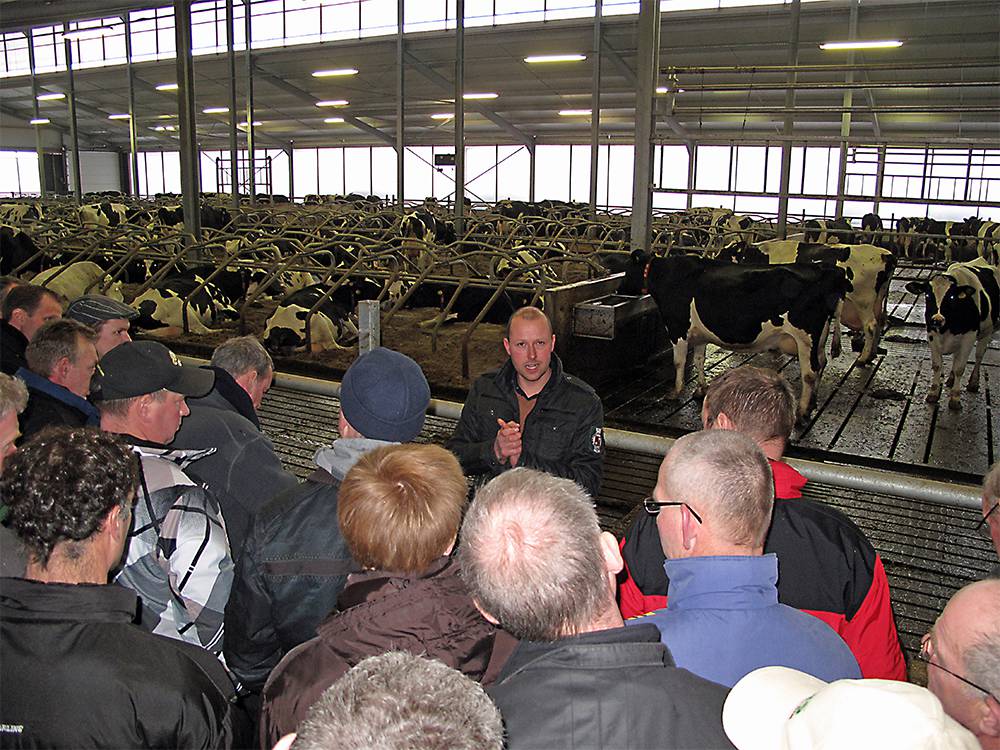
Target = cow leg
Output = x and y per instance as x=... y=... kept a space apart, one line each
x=809 y=374
x=936 y=361
x=680 y=359
x=698 y=363
x=981 y=346
x=869 y=328
x=835 y=345
x=958 y=363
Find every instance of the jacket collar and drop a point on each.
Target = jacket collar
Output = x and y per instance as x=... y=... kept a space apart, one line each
x=13 y=335
x=180 y=456
x=33 y=600
x=337 y=459
x=61 y=394
x=369 y=584
x=233 y=393
x=730 y=582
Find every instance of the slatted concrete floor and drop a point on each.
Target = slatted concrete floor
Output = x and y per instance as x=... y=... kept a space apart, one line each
x=929 y=551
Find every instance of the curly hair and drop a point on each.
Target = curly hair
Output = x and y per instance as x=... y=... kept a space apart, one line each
x=62 y=483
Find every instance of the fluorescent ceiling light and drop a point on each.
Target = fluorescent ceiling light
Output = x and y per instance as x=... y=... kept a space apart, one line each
x=483 y=95
x=39 y=121
x=124 y=116
x=443 y=116
x=167 y=87
x=877 y=44
x=574 y=112
x=50 y=97
x=336 y=72
x=554 y=58
x=215 y=110
x=333 y=103
x=256 y=124
x=94 y=32
x=665 y=90
x=333 y=120
x=165 y=117
x=161 y=128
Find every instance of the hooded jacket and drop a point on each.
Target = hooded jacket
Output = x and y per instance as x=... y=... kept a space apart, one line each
x=293 y=565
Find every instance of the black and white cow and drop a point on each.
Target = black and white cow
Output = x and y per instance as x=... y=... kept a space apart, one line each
x=962 y=308
x=18 y=252
x=988 y=241
x=162 y=310
x=529 y=263
x=77 y=279
x=103 y=214
x=704 y=301
x=871 y=230
x=868 y=268
x=331 y=326
x=829 y=231
x=17 y=212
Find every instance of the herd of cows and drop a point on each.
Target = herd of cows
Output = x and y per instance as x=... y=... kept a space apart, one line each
x=716 y=277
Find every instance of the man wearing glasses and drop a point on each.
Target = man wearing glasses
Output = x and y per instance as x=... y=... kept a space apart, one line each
x=962 y=652
x=713 y=501
x=990 y=525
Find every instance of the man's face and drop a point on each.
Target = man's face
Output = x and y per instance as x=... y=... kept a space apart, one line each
x=258 y=385
x=944 y=645
x=9 y=433
x=530 y=346
x=992 y=521
x=48 y=309
x=78 y=372
x=165 y=415
x=110 y=334
x=668 y=519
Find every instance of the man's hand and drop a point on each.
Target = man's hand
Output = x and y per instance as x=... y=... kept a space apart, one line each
x=507 y=445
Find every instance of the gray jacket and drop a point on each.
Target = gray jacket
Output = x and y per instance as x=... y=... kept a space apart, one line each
x=243 y=473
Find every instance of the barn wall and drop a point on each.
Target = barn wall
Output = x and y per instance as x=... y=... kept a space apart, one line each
x=98 y=170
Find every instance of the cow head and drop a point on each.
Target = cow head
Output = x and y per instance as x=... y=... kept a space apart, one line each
x=948 y=305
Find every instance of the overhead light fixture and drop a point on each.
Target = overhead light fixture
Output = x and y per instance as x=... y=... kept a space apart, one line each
x=167 y=87
x=666 y=90
x=554 y=58
x=215 y=110
x=169 y=128
x=574 y=112
x=165 y=117
x=333 y=120
x=50 y=97
x=122 y=116
x=875 y=44
x=39 y=121
x=336 y=72
x=256 y=124
x=483 y=95
x=443 y=116
x=94 y=32
x=333 y=103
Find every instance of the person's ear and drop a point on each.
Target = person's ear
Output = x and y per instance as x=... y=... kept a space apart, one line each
x=723 y=422
x=613 y=562
x=17 y=317
x=988 y=721
x=690 y=528
x=486 y=615
x=62 y=367
x=506 y=345
x=285 y=743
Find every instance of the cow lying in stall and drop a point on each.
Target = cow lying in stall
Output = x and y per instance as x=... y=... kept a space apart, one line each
x=703 y=301
x=962 y=307
x=869 y=269
x=77 y=279
x=162 y=311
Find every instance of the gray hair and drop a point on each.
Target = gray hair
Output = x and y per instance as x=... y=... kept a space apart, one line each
x=13 y=395
x=991 y=483
x=242 y=354
x=982 y=655
x=530 y=553
x=726 y=476
x=398 y=701
x=54 y=341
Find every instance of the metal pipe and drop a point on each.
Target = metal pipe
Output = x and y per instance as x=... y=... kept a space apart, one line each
x=824 y=109
x=595 y=108
x=845 y=118
x=234 y=156
x=291 y=171
x=642 y=166
x=950 y=64
x=251 y=166
x=74 y=133
x=133 y=136
x=789 y=125
x=459 y=116
x=39 y=151
x=531 y=173
x=836 y=86
x=400 y=105
x=186 y=121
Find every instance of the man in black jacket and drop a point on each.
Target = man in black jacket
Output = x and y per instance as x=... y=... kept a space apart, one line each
x=530 y=413
x=26 y=308
x=537 y=563
x=74 y=669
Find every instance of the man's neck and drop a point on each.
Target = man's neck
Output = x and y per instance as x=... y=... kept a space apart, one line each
x=774 y=448
x=533 y=388
x=86 y=570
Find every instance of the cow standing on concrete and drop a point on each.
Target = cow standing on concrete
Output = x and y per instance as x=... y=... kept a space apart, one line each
x=962 y=308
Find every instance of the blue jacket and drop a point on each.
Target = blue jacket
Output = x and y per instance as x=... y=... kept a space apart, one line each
x=723 y=620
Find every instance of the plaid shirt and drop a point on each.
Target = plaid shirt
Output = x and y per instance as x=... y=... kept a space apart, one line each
x=177 y=557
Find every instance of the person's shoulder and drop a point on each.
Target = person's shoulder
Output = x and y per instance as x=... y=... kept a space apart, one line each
x=578 y=384
x=307 y=502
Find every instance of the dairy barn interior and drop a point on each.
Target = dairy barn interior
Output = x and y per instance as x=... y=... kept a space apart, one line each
x=452 y=156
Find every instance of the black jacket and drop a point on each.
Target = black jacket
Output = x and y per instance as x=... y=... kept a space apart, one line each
x=563 y=435
x=616 y=689
x=12 y=346
x=76 y=673
x=52 y=405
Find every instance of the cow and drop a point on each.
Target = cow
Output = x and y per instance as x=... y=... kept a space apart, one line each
x=17 y=212
x=330 y=327
x=704 y=301
x=871 y=230
x=528 y=262
x=962 y=308
x=79 y=278
x=829 y=231
x=868 y=268
x=162 y=311
x=988 y=242
x=17 y=249
x=954 y=237
x=104 y=214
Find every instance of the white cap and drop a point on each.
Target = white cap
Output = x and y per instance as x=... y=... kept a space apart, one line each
x=777 y=708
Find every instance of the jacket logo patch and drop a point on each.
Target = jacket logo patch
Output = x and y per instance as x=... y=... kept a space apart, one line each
x=597 y=440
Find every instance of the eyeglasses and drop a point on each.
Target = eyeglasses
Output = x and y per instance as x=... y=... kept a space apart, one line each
x=982 y=521
x=653 y=507
x=922 y=655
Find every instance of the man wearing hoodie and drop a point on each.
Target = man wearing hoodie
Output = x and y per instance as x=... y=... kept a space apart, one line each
x=295 y=561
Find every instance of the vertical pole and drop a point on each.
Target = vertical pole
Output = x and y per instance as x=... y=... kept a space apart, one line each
x=531 y=173
x=642 y=167
x=879 y=176
x=400 y=106
x=234 y=155
x=291 y=171
x=845 y=118
x=74 y=135
x=251 y=177
x=190 y=184
x=595 y=108
x=786 y=144
x=692 y=149
x=39 y=151
x=133 y=148
x=459 y=117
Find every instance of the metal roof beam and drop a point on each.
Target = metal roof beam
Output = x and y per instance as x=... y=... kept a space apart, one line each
x=626 y=71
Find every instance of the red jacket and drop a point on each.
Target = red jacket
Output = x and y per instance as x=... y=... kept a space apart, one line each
x=827 y=567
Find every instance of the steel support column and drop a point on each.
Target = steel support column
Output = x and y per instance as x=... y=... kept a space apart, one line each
x=74 y=134
x=879 y=176
x=786 y=145
x=595 y=108
x=133 y=148
x=459 y=117
x=251 y=166
x=692 y=149
x=642 y=167
x=531 y=174
x=845 y=118
x=234 y=154
x=190 y=183
x=400 y=105
x=291 y=170
x=39 y=151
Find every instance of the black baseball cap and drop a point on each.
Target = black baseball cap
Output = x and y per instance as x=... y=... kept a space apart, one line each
x=140 y=367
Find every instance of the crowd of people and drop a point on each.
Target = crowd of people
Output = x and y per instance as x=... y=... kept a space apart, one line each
x=168 y=583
